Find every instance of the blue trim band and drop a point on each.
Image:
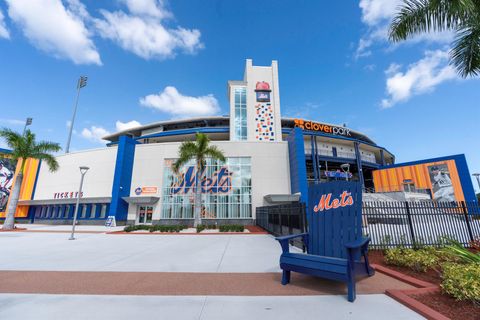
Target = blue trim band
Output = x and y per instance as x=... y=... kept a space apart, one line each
x=5 y=151
x=186 y=131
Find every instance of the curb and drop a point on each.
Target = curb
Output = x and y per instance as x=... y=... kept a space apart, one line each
x=402 y=296
x=403 y=277
x=188 y=233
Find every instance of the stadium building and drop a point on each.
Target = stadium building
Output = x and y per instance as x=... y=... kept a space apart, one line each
x=270 y=160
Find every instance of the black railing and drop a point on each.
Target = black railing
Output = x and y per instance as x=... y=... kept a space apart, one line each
x=415 y=224
x=281 y=220
x=390 y=224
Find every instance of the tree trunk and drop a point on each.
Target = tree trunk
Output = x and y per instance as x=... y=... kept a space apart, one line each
x=12 y=203
x=198 y=198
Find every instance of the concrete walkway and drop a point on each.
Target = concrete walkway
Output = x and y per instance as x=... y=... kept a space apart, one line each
x=72 y=307
x=43 y=275
x=146 y=253
x=67 y=228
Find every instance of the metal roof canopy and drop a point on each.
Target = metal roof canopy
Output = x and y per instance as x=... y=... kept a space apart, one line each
x=282 y=198
x=64 y=201
x=141 y=200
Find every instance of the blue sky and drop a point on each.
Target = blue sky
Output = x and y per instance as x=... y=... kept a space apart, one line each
x=149 y=60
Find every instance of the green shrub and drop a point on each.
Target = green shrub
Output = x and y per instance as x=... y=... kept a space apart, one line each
x=154 y=228
x=200 y=228
x=462 y=281
x=129 y=228
x=232 y=228
x=419 y=260
x=462 y=254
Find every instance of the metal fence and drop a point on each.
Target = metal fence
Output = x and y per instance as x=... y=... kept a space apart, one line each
x=283 y=219
x=411 y=224
x=390 y=224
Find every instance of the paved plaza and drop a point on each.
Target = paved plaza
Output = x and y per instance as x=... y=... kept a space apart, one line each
x=43 y=275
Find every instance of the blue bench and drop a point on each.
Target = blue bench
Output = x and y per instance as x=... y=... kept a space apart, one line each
x=339 y=269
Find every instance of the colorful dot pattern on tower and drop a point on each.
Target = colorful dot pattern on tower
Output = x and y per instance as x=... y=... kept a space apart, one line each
x=264 y=118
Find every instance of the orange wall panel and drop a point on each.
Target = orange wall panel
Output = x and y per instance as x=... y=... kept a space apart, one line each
x=392 y=179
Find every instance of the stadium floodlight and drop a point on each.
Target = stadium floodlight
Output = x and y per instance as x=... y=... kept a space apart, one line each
x=346 y=168
x=28 y=122
x=477 y=175
x=83 y=171
x=82 y=82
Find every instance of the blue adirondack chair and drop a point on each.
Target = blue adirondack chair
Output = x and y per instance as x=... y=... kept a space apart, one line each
x=335 y=243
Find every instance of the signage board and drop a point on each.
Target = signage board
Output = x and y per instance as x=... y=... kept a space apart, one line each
x=321 y=127
x=67 y=195
x=146 y=190
x=110 y=222
x=338 y=174
x=334 y=215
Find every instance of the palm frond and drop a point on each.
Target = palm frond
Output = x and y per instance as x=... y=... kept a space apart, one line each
x=465 y=53
x=47 y=146
x=51 y=161
x=187 y=151
x=11 y=137
x=215 y=153
x=420 y=16
x=202 y=141
x=25 y=147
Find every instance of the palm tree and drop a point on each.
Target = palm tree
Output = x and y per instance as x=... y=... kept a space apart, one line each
x=24 y=147
x=460 y=16
x=200 y=150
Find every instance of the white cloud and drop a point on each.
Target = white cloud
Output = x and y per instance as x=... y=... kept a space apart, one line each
x=55 y=28
x=3 y=28
x=173 y=102
x=377 y=15
x=151 y=8
x=376 y=11
x=120 y=126
x=420 y=77
x=141 y=31
x=95 y=134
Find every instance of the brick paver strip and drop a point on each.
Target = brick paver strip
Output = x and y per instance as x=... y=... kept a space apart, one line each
x=178 y=283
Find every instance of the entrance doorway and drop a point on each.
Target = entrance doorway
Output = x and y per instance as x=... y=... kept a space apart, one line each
x=144 y=214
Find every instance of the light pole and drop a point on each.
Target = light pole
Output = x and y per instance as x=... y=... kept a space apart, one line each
x=83 y=170
x=27 y=123
x=82 y=82
x=346 y=168
x=477 y=175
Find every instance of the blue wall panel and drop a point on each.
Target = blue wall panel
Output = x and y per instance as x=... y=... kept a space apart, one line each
x=298 y=168
x=123 y=178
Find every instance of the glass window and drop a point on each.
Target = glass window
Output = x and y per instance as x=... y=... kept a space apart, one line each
x=226 y=190
x=93 y=211
x=103 y=211
x=240 y=121
x=84 y=211
x=67 y=211
x=59 y=211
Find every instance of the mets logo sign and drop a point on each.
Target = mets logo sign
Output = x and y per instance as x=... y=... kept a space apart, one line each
x=219 y=182
x=326 y=202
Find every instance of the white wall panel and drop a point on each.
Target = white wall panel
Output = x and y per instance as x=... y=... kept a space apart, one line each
x=98 y=180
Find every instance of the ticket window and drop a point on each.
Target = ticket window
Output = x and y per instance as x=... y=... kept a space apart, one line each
x=144 y=214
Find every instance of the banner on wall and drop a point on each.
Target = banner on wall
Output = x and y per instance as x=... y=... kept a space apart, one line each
x=7 y=173
x=442 y=186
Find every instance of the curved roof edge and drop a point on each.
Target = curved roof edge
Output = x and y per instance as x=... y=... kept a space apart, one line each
x=206 y=122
